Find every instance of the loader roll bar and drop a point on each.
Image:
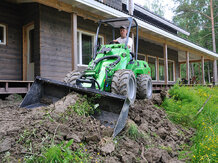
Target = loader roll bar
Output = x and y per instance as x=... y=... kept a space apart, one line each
x=116 y=23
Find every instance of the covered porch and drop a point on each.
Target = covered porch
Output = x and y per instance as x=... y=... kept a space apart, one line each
x=165 y=52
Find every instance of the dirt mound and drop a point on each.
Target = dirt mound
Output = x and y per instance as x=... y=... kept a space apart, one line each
x=148 y=136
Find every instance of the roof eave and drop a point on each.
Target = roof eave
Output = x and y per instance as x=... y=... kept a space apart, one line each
x=116 y=13
x=162 y=20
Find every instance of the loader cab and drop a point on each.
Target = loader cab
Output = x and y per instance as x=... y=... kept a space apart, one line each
x=116 y=23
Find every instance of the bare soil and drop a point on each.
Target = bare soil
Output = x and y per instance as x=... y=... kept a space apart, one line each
x=23 y=132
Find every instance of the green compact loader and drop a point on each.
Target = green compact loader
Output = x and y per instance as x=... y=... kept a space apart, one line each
x=114 y=73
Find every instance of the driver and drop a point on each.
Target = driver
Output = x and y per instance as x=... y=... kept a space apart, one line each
x=122 y=38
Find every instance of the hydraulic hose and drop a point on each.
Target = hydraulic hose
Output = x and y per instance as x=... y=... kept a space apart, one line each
x=108 y=57
x=112 y=64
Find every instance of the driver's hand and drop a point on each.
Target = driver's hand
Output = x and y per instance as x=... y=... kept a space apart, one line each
x=115 y=41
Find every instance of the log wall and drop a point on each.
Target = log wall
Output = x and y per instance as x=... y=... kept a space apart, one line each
x=10 y=54
x=55 y=43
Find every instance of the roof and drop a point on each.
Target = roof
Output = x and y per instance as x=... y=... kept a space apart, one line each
x=158 y=18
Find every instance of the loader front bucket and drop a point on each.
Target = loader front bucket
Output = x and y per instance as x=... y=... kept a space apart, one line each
x=113 y=108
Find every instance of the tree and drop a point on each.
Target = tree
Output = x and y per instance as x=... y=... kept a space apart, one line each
x=195 y=17
x=155 y=6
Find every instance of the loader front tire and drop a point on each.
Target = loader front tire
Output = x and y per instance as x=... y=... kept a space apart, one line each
x=124 y=83
x=71 y=77
x=144 y=87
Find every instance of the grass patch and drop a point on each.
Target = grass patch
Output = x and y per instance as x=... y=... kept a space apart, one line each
x=134 y=133
x=60 y=153
x=167 y=148
x=182 y=108
x=85 y=106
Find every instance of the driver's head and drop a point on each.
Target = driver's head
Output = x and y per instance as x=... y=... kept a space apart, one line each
x=123 y=31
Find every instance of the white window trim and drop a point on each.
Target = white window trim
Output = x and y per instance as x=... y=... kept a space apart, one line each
x=168 y=67
x=80 y=44
x=157 y=60
x=4 y=34
x=159 y=70
x=173 y=71
x=142 y=55
x=155 y=65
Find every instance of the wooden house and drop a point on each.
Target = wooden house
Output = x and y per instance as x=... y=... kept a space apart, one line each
x=49 y=38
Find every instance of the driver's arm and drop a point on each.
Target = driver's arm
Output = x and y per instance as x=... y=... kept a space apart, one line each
x=130 y=43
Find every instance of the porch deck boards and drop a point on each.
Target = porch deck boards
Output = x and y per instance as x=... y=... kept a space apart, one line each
x=160 y=86
x=14 y=86
x=22 y=87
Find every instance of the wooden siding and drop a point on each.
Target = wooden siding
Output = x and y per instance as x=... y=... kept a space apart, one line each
x=11 y=59
x=91 y=26
x=55 y=43
x=10 y=54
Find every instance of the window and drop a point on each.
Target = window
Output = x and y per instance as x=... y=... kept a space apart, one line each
x=31 y=46
x=170 y=70
x=2 y=34
x=141 y=57
x=161 y=69
x=153 y=65
x=85 y=46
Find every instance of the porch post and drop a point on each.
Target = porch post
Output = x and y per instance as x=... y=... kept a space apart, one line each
x=179 y=71
x=74 y=40
x=215 y=71
x=165 y=64
x=187 y=67
x=202 y=69
x=158 y=74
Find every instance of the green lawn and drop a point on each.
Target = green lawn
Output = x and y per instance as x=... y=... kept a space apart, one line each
x=182 y=107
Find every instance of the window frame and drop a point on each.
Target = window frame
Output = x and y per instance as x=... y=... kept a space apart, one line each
x=159 y=70
x=155 y=64
x=173 y=71
x=142 y=55
x=4 y=34
x=79 y=60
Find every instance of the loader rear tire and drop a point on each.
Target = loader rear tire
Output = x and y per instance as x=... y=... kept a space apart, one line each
x=144 y=87
x=71 y=77
x=124 y=83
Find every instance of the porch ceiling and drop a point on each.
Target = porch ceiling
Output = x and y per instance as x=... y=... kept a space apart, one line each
x=150 y=32
x=94 y=10
x=192 y=57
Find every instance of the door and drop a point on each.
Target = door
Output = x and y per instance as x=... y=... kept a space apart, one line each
x=28 y=52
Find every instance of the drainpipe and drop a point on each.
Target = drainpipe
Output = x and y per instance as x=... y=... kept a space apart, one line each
x=131 y=6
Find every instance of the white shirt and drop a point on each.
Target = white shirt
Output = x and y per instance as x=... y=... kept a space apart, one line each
x=123 y=41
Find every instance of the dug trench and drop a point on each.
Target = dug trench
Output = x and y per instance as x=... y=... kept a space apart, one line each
x=148 y=136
